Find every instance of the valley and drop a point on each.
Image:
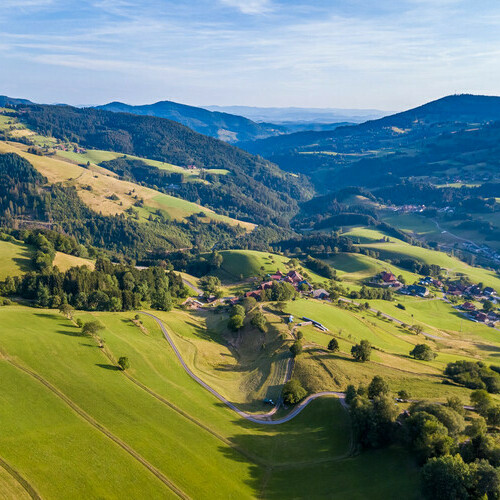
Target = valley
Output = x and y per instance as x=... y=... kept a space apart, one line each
x=187 y=319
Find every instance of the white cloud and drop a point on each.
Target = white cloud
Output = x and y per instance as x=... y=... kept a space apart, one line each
x=250 y=6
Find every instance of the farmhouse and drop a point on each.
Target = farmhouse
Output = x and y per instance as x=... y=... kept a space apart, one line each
x=295 y=277
x=320 y=294
x=419 y=290
x=388 y=277
x=468 y=306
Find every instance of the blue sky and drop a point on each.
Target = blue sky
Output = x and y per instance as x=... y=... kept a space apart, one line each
x=348 y=54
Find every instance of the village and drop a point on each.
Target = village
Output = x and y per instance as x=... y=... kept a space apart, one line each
x=479 y=305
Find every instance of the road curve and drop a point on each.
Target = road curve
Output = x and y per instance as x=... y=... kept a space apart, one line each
x=262 y=418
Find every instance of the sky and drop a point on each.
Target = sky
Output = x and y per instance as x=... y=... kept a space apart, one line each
x=380 y=54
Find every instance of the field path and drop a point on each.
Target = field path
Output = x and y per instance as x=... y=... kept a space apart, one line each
x=263 y=418
x=21 y=480
x=89 y=419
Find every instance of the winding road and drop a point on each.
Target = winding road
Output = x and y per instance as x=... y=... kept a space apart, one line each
x=262 y=418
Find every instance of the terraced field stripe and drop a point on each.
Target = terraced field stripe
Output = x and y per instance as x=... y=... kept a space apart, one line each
x=102 y=429
x=20 y=479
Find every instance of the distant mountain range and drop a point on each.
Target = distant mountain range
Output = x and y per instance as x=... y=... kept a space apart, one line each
x=231 y=127
x=431 y=119
x=457 y=133
x=295 y=115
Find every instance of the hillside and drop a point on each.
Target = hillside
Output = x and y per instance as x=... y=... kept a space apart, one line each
x=227 y=127
x=255 y=188
x=430 y=119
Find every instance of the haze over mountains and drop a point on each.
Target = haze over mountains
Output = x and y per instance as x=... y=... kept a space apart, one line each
x=302 y=115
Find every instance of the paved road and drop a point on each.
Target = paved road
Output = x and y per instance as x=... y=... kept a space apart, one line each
x=194 y=288
x=262 y=418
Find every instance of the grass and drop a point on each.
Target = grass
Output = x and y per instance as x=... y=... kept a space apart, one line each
x=355 y=268
x=64 y=261
x=320 y=370
x=95 y=187
x=15 y=258
x=198 y=446
x=98 y=156
x=397 y=249
x=243 y=264
x=245 y=367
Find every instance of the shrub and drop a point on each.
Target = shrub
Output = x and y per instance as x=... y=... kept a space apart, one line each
x=423 y=352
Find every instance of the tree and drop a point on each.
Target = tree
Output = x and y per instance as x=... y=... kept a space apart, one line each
x=404 y=395
x=296 y=348
x=300 y=335
x=428 y=436
x=484 y=480
x=377 y=387
x=259 y=321
x=361 y=352
x=446 y=478
x=481 y=401
x=237 y=310
x=456 y=404
x=417 y=329
x=249 y=303
x=293 y=392
x=488 y=306
x=236 y=322
x=66 y=310
x=333 y=345
x=350 y=394
x=422 y=352
x=92 y=328
x=493 y=416
x=124 y=363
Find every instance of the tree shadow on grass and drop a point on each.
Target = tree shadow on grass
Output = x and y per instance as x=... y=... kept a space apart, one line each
x=109 y=367
x=70 y=333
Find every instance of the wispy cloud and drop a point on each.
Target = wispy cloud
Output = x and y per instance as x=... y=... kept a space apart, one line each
x=250 y=6
x=277 y=53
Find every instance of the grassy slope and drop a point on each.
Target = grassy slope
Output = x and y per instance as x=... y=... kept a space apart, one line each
x=355 y=268
x=64 y=261
x=398 y=249
x=180 y=445
x=97 y=156
x=239 y=264
x=321 y=370
x=15 y=259
x=104 y=185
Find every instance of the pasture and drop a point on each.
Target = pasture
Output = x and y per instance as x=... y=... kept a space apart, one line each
x=15 y=258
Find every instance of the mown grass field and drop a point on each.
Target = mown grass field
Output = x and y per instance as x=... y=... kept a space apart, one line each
x=15 y=258
x=64 y=261
x=175 y=425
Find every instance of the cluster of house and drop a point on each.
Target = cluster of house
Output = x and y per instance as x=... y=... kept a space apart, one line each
x=387 y=279
x=75 y=149
x=295 y=279
x=459 y=289
x=473 y=314
x=407 y=209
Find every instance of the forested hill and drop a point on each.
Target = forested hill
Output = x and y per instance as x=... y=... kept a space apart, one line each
x=224 y=126
x=254 y=190
x=443 y=115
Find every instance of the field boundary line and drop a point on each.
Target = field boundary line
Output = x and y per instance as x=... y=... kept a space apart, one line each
x=20 y=479
x=187 y=416
x=94 y=423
